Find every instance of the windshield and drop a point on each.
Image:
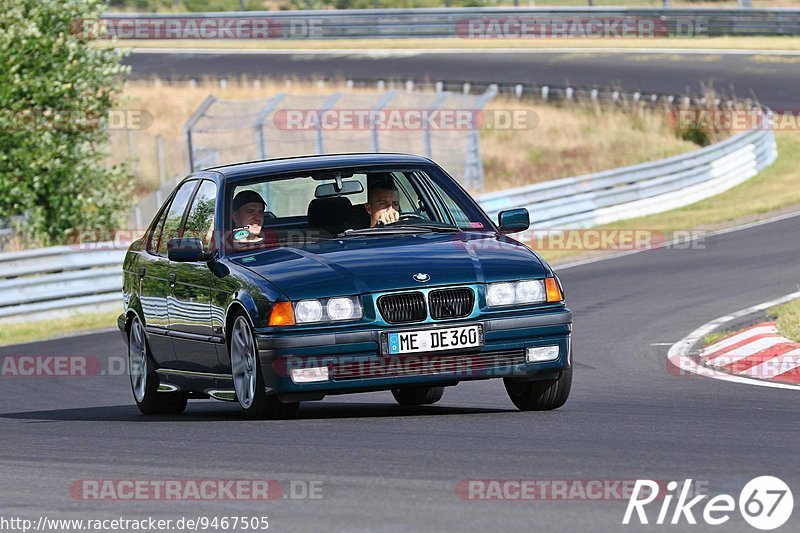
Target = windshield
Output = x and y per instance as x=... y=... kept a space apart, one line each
x=346 y=203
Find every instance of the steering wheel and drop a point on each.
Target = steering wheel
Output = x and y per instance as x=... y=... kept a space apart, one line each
x=411 y=216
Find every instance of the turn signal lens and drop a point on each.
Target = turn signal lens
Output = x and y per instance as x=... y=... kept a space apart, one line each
x=553 y=290
x=282 y=314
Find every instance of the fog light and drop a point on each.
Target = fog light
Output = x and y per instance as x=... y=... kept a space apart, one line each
x=538 y=354
x=310 y=375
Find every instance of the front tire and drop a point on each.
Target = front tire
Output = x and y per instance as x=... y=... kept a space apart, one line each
x=248 y=380
x=418 y=395
x=543 y=395
x=144 y=380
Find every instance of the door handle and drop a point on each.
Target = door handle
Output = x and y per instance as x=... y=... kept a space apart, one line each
x=171 y=278
x=142 y=272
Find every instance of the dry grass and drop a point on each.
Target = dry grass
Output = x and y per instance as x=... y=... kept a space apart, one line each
x=788 y=319
x=711 y=338
x=52 y=328
x=566 y=141
x=575 y=140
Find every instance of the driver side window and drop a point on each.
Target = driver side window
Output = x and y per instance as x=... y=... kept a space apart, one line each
x=200 y=219
x=175 y=215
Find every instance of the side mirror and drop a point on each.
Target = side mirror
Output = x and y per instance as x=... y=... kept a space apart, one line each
x=187 y=250
x=514 y=220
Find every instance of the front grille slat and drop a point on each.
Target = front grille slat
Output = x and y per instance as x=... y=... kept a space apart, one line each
x=402 y=308
x=451 y=303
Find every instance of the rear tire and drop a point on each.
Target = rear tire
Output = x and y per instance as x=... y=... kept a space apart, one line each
x=543 y=395
x=248 y=379
x=144 y=380
x=418 y=395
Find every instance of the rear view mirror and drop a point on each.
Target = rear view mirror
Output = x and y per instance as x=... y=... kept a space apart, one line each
x=187 y=250
x=327 y=190
x=514 y=220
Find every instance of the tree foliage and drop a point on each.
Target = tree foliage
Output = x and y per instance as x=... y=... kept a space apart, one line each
x=56 y=88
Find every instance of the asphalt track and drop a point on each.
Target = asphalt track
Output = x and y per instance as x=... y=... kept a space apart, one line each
x=387 y=468
x=772 y=79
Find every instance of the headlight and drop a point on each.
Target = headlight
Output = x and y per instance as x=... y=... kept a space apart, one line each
x=532 y=291
x=328 y=309
x=340 y=308
x=308 y=311
x=498 y=294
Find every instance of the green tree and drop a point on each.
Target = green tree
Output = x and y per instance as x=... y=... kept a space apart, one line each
x=57 y=86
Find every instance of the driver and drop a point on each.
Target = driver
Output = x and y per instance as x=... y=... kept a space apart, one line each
x=383 y=204
x=248 y=217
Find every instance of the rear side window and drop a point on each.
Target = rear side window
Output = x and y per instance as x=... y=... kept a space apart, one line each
x=172 y=222
x=152 y=245
x=200 y=219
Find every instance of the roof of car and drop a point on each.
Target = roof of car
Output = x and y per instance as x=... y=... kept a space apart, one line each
x=315 y=162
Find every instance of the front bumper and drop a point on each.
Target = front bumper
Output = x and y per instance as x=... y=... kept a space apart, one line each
x=355 y=363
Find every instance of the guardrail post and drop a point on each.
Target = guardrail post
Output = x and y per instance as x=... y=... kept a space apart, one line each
x=162 y=172
x=187 y=129
x=426 y=132
x=268 y=108
x=329 y=103
x=376 y=147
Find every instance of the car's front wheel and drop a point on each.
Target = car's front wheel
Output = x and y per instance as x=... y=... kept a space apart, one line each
x=248 y=379
x=418 y=395
x=542 y=395
x=144 y=380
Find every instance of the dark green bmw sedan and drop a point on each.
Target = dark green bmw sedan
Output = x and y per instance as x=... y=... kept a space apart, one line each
x=275 y=282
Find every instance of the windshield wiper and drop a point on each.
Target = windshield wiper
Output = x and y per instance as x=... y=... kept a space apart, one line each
x=402 y=229
x=446 y=228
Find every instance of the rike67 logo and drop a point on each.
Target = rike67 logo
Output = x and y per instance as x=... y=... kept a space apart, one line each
x=765 y=503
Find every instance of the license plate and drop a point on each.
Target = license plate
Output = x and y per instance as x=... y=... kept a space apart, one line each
x=433 y=340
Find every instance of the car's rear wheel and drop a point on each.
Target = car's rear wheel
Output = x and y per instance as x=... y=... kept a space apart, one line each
x=418 y=395
x=248 y=379
x=144 y=380
x=542 y=395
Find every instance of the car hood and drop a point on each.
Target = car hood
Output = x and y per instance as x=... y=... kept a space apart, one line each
x=358 y=265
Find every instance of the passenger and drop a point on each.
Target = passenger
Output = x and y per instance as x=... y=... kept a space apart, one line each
x=248 y=217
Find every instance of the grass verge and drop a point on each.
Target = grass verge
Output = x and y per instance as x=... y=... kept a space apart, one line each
x=711 y=338
x=16 y=333
x=787 y=317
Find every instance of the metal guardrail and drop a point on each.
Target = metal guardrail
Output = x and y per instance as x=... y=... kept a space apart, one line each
x=56 y=278
x=49 y=279
x=454 y=22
